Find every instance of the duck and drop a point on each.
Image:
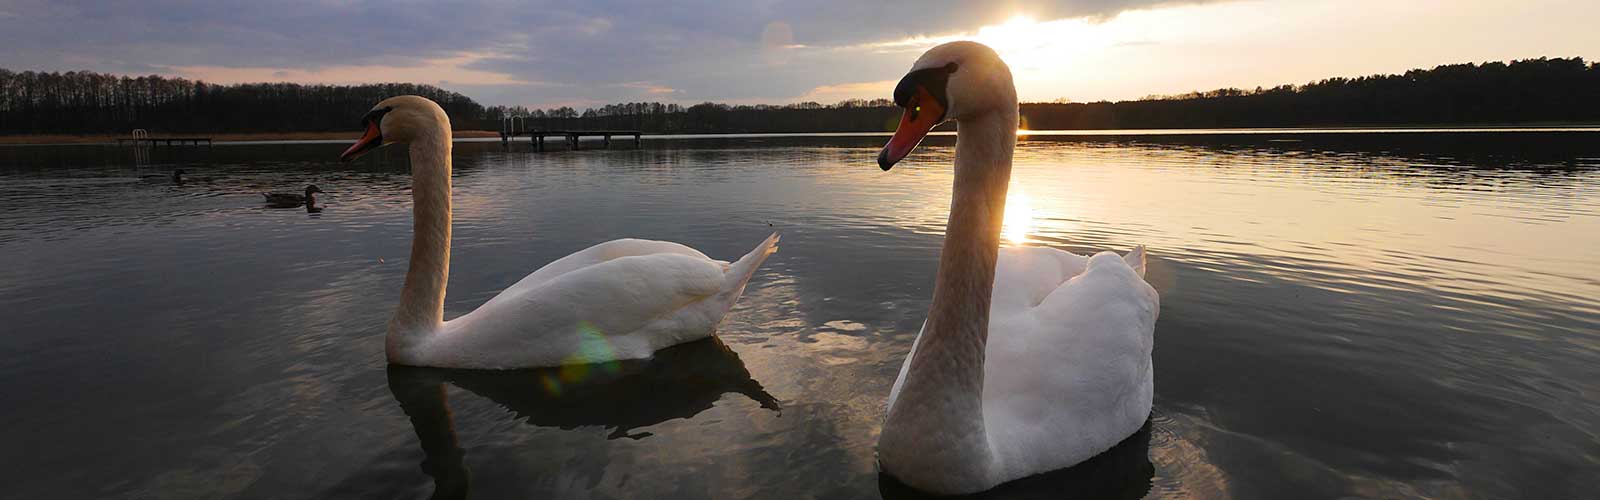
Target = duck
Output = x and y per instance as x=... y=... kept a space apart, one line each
x=1031 y=359
x=293 y=200
x=617 y=300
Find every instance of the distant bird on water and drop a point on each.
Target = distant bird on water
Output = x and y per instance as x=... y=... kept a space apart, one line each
x=293 y=200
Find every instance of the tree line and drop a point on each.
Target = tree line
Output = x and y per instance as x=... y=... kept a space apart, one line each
x=1543 y=90
x=83 y=102
x=854 y=115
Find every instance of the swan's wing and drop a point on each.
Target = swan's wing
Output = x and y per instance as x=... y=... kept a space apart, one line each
x=1112 y=289
x=579 y=315
x=1024 y=276
x=1076 y=364
x=603 y=252
x=1096 y=327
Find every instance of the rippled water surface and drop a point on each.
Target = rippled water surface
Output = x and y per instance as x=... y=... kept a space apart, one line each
x=1368 y=315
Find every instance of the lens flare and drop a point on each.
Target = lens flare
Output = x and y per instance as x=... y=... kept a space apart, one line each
x=581 y=364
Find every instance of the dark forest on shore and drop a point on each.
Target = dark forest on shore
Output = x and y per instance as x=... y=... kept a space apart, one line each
x=1544 y=90
x=82 y=102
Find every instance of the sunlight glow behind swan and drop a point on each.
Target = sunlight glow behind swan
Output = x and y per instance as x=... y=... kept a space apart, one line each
x=1048 y=58
x=1019 y=217
x=1033 y=47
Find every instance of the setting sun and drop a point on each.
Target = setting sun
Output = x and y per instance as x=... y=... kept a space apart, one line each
x=1028 y=44
x=1057 y=51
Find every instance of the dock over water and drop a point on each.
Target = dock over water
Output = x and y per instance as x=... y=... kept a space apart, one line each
x=168 y=141
x=141 y=137
x=511 y=128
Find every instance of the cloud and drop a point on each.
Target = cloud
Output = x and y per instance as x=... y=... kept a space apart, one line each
x=649 y=88
x=428 y=71
x=828 y=94
x=546 y=53
x=518 y=52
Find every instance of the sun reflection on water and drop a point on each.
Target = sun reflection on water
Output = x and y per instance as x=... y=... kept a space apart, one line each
x=1019 y=216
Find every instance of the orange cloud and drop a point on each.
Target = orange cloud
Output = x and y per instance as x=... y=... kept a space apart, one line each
x=450 y=70
x=650 y=88
x=842 y=91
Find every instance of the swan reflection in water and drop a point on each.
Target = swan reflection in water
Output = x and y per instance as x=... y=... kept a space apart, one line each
x=679 y=382
x=1122 y=472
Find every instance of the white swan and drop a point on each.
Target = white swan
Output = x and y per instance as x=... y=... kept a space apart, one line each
x=621 y=299
x=1032 y=359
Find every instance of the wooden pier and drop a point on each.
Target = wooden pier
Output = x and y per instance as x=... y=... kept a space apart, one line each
x=169 y=141
x=141 y=137
x=511 y=128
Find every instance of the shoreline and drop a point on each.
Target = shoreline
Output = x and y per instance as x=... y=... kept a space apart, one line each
x=57 y=139
x=71 y=139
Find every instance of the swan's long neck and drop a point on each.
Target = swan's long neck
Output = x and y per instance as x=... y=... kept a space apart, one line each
x=421 y=309
x=942 y=394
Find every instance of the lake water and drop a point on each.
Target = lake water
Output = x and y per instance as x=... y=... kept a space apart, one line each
x=1343 y=315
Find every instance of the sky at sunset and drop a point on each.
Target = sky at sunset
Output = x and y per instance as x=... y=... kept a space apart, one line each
x=593 y=52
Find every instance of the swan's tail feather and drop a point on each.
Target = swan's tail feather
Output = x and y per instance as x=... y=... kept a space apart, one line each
x=1135 y=259
x=740 y=272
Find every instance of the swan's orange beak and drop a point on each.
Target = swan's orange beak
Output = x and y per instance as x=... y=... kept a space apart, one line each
x=923 y=112
x=370 y=140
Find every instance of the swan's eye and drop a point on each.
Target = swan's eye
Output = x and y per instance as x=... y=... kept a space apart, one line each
x=917 y=109
x=375 y=116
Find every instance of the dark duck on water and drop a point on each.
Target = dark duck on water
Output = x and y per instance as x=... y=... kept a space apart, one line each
x=293 y=200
